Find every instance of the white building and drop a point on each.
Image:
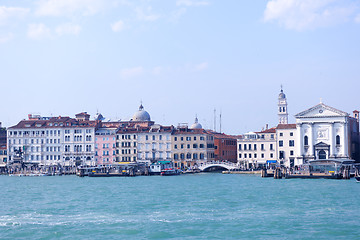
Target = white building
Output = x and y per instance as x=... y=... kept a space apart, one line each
x=324 y=132
x=154 y=143
x=257 y=149
x=286 y=144
x=60 y=141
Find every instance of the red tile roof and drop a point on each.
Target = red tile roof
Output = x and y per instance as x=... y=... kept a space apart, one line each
x=286 y=126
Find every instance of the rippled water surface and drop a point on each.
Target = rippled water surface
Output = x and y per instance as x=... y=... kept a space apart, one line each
x=202 y=206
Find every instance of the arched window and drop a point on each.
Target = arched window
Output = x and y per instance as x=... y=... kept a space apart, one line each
x=283 y=109
x=279 y=109
x=188 y=156
x=306 y=141
x=337 y=140
x=322 y=154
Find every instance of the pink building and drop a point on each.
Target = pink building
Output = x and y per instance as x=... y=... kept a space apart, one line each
x=105 y=140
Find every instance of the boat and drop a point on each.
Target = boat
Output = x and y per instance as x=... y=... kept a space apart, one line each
x=170 y=172
x=357 y=178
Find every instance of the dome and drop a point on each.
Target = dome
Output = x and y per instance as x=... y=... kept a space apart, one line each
x=282 y=95
x=141 y=115
x=196 y=124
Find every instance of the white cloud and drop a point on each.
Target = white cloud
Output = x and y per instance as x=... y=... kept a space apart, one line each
x=66 y=7
x=308 y=14
x=145 y=14
x=68 y=29
x=117 y=26
x=201 y=66
x=38 y=31
x=189 y=3
x=8 y=12
x=6 y=38
x=131 y=72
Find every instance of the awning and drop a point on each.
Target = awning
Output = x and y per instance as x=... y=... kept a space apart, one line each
x=271 y=161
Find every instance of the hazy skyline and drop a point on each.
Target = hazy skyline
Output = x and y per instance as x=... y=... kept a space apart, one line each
x=181 y=58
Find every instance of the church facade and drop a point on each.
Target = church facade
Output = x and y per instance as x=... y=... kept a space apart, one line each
x=324 y=132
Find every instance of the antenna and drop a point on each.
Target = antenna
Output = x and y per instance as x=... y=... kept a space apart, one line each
x=215 y=119
x=220 y=119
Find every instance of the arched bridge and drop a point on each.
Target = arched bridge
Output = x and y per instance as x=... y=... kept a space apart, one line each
x=224 y=164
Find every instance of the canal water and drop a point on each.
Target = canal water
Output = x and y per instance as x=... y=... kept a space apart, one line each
x=201 y=206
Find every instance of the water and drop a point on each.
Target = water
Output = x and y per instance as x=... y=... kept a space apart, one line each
x=202 y=206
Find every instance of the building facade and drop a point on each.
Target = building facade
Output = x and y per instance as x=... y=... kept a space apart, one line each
x=257 y=149
x=105 y=146
x=286 y=144
x=225 y=147
x=324 y=132
x=192 y=146
x=154 y=144
x=61 y=141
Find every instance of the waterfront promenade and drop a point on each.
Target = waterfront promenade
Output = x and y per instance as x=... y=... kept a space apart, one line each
x=199 y=206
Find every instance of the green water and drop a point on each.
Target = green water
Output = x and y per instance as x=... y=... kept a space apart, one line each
x=202 y=206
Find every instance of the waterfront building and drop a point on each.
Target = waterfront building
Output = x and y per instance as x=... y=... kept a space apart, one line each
x=225 y=147
x=105 y=145
x=192 y=146
x=324 y=132
x=127 y=135
x=154 y=143
x=286 y=141
x=126 y=144
x=3 y=158
x=257 y=149
x=61 y=141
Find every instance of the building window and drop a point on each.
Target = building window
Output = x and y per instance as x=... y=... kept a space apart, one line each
x=291 y=134
x=244 y=146
x=281 y=143
x=271 y=155
x=255 y=147
x=249 y=146
x=262 y=155
x=291 y=143
x=271 y=147
x=249 y=155
x=239 y=155
x=291 y=153
x=281 y=134
x=240 y=147
x=281 y=154
x=262 y=147
x=337 y=140
x=306 y=141
x=255 y=155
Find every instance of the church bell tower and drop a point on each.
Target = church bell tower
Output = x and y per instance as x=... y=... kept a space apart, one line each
x=282 y=108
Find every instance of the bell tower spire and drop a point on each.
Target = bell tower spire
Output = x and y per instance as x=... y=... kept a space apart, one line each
x=282 y=108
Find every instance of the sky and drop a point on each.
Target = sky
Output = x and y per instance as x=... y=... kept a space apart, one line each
x=180 y=58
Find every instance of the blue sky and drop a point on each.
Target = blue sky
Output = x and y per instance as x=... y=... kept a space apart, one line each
x=179 y=57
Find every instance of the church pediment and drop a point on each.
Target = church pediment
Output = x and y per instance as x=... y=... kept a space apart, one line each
x=321 y=110
x=322 y=144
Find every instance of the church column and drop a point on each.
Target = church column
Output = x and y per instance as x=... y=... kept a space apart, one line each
x=332 y=138
x=300 y=143
x=311 y=141
x=344 y=141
